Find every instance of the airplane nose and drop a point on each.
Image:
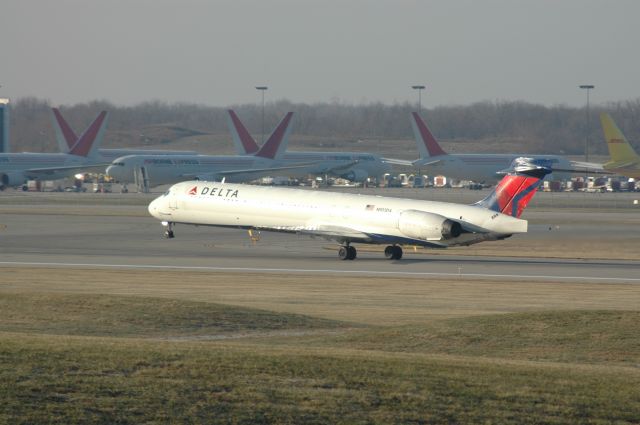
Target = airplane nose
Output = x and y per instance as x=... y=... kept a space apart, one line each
x=153 y=208
x=111 y=172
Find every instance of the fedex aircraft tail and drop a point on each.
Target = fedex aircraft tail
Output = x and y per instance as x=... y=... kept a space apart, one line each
x=620 y=150
x=427 y=144
x=85 y=145
x=516 y=189
x=242 y=140
x=277 y=143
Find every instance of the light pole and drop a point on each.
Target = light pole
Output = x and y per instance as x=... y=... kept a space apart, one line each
x=262 y=89
x=419 y=88
x=587 y=87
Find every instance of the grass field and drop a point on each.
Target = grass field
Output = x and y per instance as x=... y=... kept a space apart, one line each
x=133 y=346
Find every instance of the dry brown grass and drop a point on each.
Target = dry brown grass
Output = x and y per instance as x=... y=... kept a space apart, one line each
x=367 y=300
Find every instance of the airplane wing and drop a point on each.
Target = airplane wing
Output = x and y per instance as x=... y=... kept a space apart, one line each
x=394 y=161
x=344 y=234
x=617 y=165
x=338 y=168
x=586 y=167
x=41 y=172
x=425 y=162
x=258 y=172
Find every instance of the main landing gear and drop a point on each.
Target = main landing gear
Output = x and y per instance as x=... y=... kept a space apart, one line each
x=393 y=252
x=168 y=233
x=347 y=252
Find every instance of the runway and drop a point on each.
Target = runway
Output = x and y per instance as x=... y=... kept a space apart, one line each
x=124 y=237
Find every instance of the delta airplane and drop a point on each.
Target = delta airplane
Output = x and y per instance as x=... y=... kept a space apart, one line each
x=624 y=159
x=67 y=138
x=348 y=218
x=481 y=168
x=17 y=168
x=354 y=166
x=166 y=169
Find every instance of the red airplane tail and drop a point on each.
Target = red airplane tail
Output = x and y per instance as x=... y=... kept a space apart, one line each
x=274 y=147
x=87 y=143
x=427 y=144
x=513 y=193
x=244 y=143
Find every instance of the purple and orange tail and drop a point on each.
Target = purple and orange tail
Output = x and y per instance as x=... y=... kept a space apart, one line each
x=516 y=189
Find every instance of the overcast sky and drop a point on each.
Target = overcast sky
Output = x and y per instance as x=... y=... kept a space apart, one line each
x=216 y=52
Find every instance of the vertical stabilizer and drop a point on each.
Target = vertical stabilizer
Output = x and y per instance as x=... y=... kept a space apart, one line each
x=242 y=140
x=65 y=136
x=516 y=189
x=89 y=142
x=427 y=144
x=277 y=143
x=4 y=125
x=620 y=150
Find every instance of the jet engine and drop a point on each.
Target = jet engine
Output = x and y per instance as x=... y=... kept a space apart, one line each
x=427 y=226
x=12 y=178
x=357 y=175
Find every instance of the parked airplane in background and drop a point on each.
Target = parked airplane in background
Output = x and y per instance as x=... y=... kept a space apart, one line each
x=348 y=218
x=17 y=168
x=480 y=168
x=354 y=166
x=624 y=160
x=165 y=169
x=66 y=138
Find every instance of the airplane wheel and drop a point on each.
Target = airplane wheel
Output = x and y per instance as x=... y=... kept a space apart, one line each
x=393 y=252
x=343 y=253
x=388 y=252
x=351 y=252
x=169 y=234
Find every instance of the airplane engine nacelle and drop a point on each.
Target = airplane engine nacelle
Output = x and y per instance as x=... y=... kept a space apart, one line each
x=12 y=179
x=427 y=226
x=357 y=175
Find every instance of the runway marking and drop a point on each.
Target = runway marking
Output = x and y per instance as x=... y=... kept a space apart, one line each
x=327 y=271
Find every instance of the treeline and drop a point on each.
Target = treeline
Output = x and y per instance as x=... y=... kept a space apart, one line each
x=554 y=129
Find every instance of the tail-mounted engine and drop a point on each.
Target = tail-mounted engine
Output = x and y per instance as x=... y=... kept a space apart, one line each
x=428 y=226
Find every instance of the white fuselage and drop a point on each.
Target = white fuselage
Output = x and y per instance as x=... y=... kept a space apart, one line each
x=108 y=155
x=354 y=166
x=19 y=165
x=337 y=216
x=167 y=169
x=484 y=168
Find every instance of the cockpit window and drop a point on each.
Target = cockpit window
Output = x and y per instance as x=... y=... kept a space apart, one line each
x=167 y=192
x=119 y=164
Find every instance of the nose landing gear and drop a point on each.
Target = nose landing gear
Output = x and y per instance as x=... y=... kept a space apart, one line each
x=168 y=233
